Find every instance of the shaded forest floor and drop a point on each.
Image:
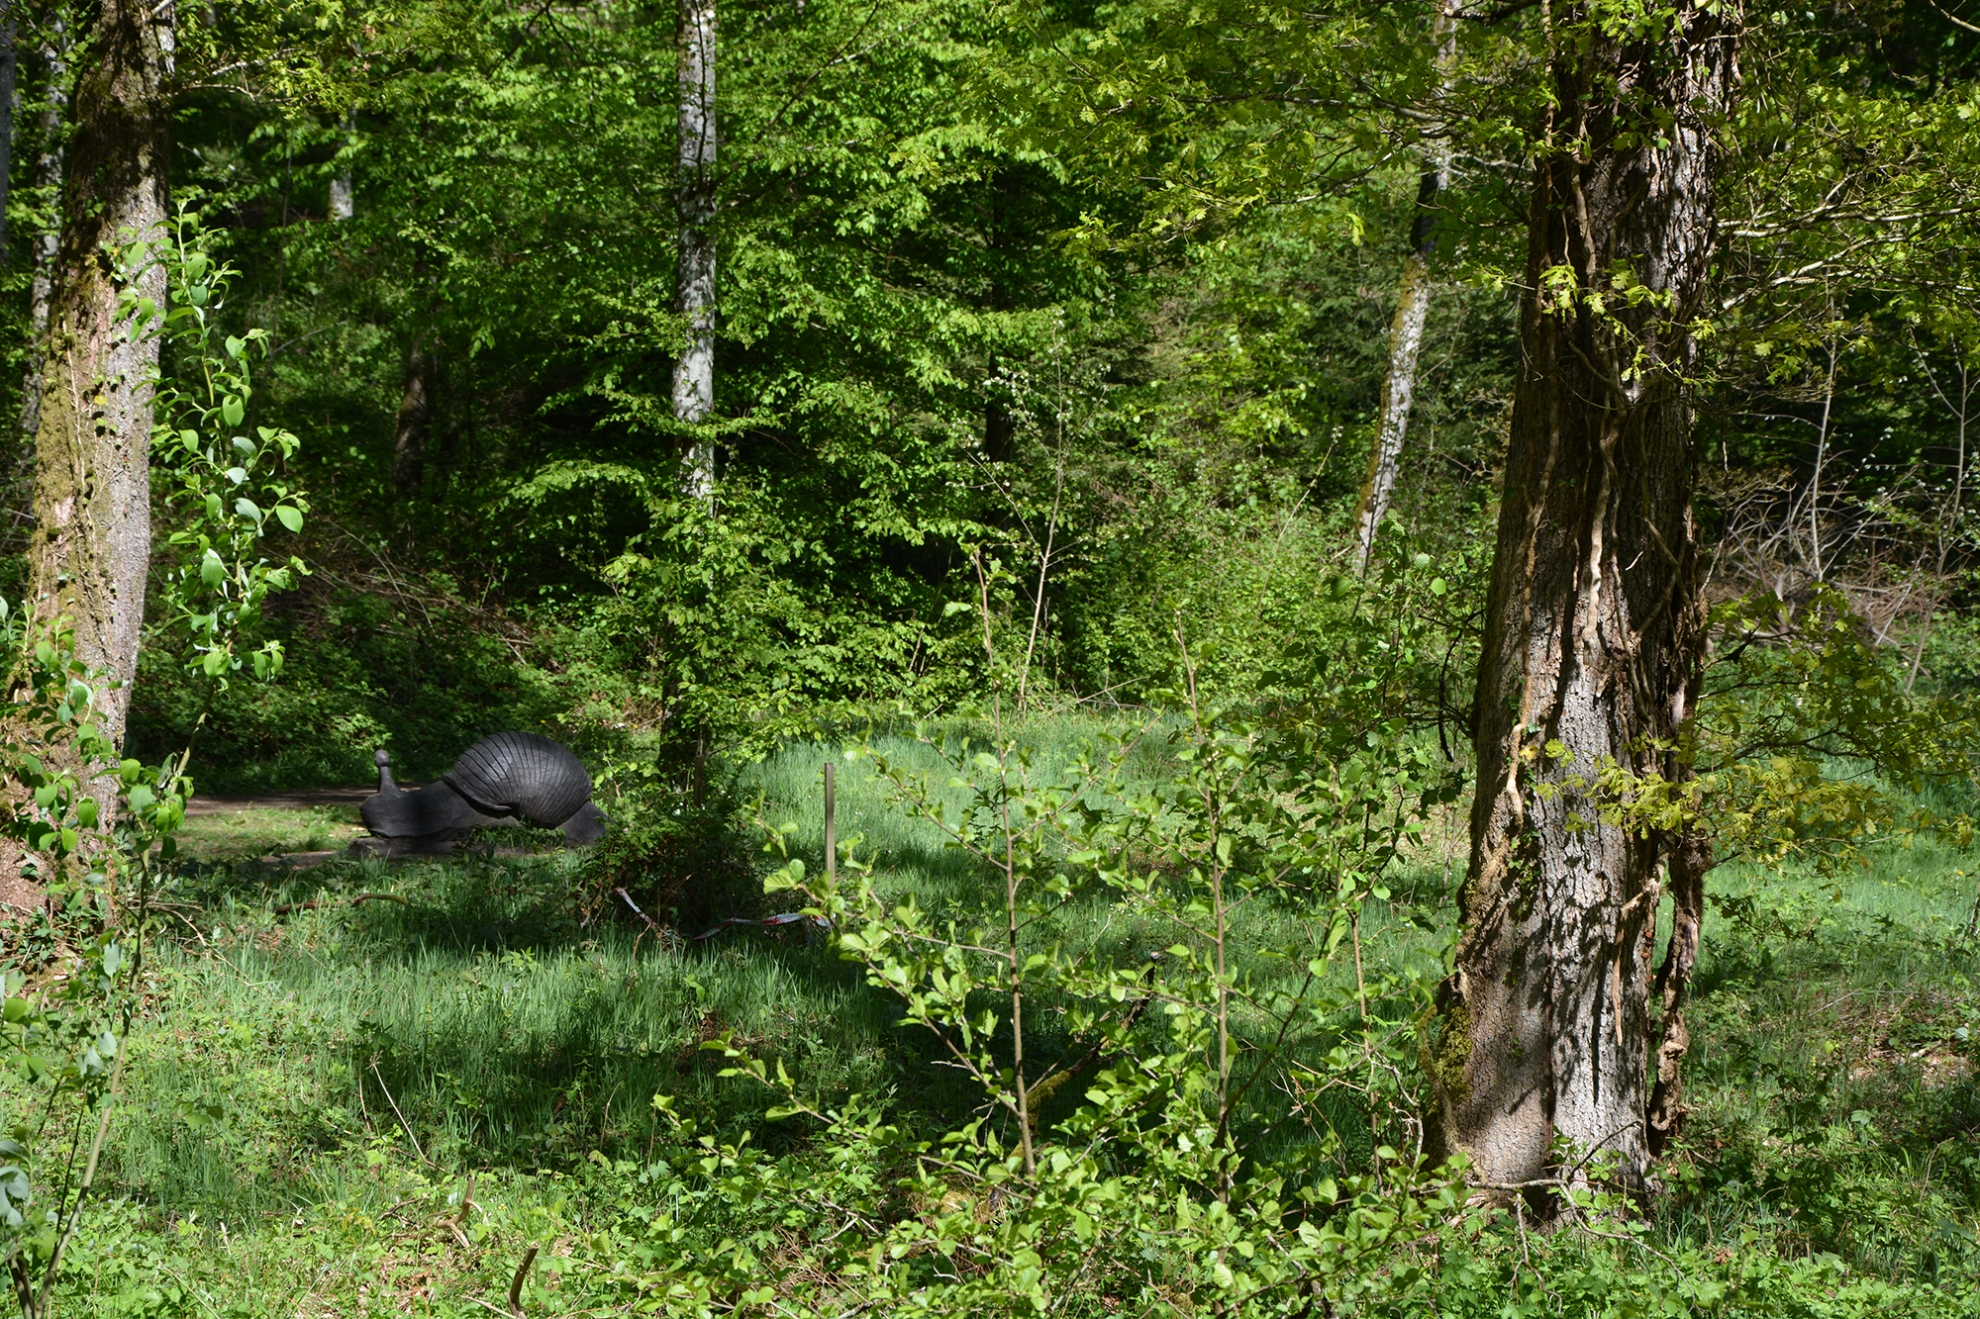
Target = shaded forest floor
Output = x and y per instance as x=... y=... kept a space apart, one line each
x=377 y=1108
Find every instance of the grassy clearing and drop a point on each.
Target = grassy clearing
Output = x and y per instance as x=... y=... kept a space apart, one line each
x=268 y=831
x=299 y=1129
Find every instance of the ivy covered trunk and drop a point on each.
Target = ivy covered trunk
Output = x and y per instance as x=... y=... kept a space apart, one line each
x=1593 y=625
x=91 y=545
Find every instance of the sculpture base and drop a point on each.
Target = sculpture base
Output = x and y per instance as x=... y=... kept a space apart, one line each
x=375 y=845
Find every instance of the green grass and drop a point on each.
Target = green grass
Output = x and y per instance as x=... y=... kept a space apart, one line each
x=302 y=1119
x=1833 y=1069
x=234 y=834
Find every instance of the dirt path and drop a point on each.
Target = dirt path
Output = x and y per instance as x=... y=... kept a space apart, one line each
x=300 y=800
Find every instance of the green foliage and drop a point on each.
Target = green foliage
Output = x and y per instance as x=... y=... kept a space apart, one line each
x=89 y=831
x=1049 y=352
x=670 y=862
x=216 y=593
x=62 y=773
x=93 y=832
x=510 y=1037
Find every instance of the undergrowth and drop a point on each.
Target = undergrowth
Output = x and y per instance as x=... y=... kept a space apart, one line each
x=380 y=1106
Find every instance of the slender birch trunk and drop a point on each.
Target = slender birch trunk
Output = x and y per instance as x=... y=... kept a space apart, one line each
x=694 y=201
x=1594 y=625
x=343 y=197
x=1412 y=309
x=48 y=171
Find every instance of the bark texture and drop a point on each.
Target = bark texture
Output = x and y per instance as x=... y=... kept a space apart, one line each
x=1690 y=858
x=92 y=538
x=1593 y=626
x=48 y=171
x=694 y=202
x=1412 y=312
x=7 y=110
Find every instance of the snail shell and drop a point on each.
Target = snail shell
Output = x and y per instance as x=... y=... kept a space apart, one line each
x=525 y=775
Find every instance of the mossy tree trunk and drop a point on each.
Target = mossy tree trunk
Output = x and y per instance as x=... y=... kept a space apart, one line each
x=48 y=171
x=91 y=545
x=1594 y=624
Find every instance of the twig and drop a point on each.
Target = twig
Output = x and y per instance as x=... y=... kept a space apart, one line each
x=285 y=908
x=516 y=1283
x=401 y=1116
x=635 y=909
x=196 y=934
x=88 y=1180
x=1954 y=18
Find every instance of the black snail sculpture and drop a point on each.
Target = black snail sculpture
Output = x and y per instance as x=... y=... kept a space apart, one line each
x=510 y=778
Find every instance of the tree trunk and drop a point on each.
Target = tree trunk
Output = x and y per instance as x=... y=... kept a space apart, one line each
x=1412 y=310
x=48 y=171
x=1002 y=240
x=694 y=201
x=92 y=500
x=409 y=433
x=1593 y=627
x=7 y=108
x=343 y=199
x=1690 y=858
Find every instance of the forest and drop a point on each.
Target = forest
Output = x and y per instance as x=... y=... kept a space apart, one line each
x=1230 y=657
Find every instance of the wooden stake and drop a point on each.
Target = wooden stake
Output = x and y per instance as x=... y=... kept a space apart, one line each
x=831 y=824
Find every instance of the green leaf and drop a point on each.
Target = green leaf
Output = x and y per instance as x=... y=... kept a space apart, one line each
x=289 y=515
x=232 y=409
x=248 y=509
x=211 y=570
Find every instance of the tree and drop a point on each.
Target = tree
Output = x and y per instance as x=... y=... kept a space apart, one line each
x=1412 y=309
x=7 y=69
x=1593 y=630
x=48 y=170
x=694 y=206
x=91 y=547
